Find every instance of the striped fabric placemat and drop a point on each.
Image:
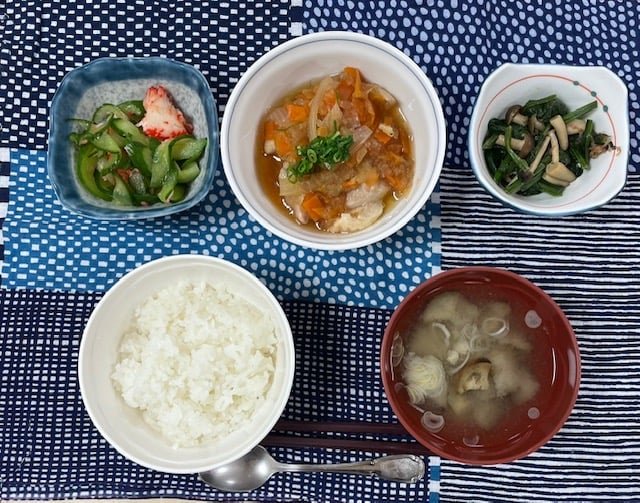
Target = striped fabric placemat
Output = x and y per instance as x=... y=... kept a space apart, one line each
x=589 y=265
x=43 y=422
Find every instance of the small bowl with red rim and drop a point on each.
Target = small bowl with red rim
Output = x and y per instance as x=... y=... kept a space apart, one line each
x=515 y=84
x=540 y=347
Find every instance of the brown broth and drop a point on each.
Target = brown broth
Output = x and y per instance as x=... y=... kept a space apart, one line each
x=268 y=166
x=267 y=172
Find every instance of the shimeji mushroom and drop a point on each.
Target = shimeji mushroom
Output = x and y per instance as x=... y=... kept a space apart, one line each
x=513 y=115
x=533 y=124
x=474 y=377
x=522 y=146
x=556 y=172
x=541 y=152
x=576 y=126
x=561 y=131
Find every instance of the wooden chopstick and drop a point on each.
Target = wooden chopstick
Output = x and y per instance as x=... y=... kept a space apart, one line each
x=279 y=438
x=383 y=446
x=340 y=427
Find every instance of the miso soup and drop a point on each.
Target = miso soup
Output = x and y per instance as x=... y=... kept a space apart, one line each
x=473 y=366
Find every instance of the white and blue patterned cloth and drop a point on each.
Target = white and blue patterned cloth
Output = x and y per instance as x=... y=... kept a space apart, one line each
x=51 y=248
x=56 y=265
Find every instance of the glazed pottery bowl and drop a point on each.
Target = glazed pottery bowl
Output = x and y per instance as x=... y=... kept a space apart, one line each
x=306 y=59
x=515 y=84
x=114 y=81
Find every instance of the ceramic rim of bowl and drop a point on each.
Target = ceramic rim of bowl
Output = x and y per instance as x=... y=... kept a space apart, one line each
x=101 y=409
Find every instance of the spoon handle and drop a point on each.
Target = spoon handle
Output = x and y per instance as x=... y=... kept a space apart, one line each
x=406 y=468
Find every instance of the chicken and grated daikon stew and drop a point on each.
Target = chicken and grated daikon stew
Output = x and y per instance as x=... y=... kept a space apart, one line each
x=337 y=153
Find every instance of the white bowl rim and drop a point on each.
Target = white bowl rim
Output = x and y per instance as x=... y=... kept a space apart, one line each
x=619 y=164
x=336 y=241
x=285 y=339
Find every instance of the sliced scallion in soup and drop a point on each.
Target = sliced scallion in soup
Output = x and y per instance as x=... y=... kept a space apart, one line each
x=467 y=366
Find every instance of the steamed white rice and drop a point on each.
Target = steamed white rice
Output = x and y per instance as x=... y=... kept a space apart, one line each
x=197 y=361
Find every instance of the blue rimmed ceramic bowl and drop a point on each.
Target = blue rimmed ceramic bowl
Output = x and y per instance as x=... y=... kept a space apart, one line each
x=114 y=80
x=513 y=84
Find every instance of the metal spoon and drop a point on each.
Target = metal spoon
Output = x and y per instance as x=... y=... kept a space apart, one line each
x=256 y=467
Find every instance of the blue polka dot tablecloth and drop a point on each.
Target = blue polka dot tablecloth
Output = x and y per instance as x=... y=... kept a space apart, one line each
x=56 y=266
x=49 y=247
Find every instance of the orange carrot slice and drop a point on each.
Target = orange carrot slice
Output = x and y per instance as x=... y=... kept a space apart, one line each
x=269 y=130
x=297 y=113
x=354 y=73
x=314 y=205
x=381 y=136
x=350 y=184
x=283 y=143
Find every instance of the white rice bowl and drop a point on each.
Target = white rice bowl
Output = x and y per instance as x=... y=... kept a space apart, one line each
x=197 y=361
x=186 y=363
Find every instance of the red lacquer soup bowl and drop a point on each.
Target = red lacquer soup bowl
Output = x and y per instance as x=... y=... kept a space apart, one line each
x=480 y=365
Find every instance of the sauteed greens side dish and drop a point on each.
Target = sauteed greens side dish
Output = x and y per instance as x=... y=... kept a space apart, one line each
x=542 y=146
x=137 y=153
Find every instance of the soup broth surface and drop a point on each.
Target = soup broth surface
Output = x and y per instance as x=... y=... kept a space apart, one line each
x=475 y=366
x=340 y=113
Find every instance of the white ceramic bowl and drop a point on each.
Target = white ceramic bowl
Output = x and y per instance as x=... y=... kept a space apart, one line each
x=514 y=84
x=307 y=58
x=122 y=426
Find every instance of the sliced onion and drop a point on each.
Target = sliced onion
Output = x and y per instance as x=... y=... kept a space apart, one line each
x=287 y=188
x=470 y=331
x=360 y=136
x=364 y=194
x=397 y=350
x=294 y=203
x=495 y=327
x=332 y=118
x=432 y=422
x=445 y=331
x=464 y=361
x=380 y=92
x=532 y=319
x=479 y=343
x=360 y=154
x=416 y=394
x=314 y=105
x=279 y=116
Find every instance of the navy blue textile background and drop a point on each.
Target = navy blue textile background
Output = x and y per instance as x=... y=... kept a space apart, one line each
x=588 y=263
